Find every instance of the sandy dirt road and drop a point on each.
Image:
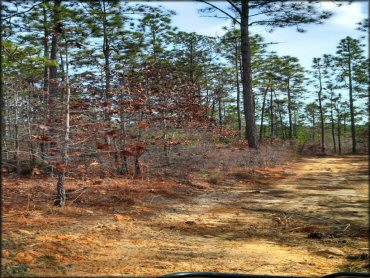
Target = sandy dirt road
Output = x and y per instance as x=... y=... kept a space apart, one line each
x=309 y=217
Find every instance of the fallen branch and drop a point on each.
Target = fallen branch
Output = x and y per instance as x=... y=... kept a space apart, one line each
x=78 y=196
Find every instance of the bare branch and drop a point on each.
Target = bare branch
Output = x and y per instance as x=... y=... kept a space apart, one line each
x=21 y=13
x=217 y=8
x=234 y=6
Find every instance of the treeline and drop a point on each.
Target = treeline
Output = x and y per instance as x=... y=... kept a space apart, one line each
x=97 y=84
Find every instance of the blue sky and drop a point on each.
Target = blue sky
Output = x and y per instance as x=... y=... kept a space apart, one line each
x=318 y=40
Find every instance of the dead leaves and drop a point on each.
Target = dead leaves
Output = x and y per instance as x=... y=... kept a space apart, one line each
x=135 y=149
x=119 y=217
x=43 y=138
x=24 y=258
x=94 y=164
x=61 y=167
x=172 y=143
x=62 y=237
x=44 y=127
x=37 y=171
x=143 y=125
x=5 y=253
x=112 y=133
x=101 y=146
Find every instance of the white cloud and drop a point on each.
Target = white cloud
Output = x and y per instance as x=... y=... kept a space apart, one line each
x=345 y=16
x=214 y=30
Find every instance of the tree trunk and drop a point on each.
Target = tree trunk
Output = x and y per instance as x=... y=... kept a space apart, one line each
x=271 y=115
x=30 y=145
x=46 y=51
x=280 y=117
x=61 y=192
x=154 y=47
x=321 y=115
x=53 y=69
x=213 y=108
x=166 y=149
x=192 y=80
x=123 y=170
x=290 y=113
x=238 y=88
x=338 y=133
x=220 y=111
x=351 y=107
x=295 y=124
x=16 y=133
x=250 y=123
x=61 y=196
x=137 y=167
x=106 y=52
x=263 y=112
x=344 y=124
x=332 y=122
x=313 y=126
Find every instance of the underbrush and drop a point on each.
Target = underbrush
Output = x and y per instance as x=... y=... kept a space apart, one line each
x=182 y=161
x=177 y=162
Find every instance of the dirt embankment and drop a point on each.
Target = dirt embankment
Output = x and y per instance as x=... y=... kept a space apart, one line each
x=306 y=218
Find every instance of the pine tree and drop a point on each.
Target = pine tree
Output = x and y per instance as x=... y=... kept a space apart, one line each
x=352 y=75
x=292 y=77
x=317 y=74
x=272 y=14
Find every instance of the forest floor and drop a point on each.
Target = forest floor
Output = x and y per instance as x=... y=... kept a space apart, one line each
x=307 y=217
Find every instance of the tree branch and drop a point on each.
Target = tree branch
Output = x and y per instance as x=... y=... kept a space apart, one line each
x=217 y=8
x=234 y=6
x=20 y=13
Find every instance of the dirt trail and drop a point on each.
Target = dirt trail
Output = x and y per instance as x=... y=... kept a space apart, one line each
x=241 y=226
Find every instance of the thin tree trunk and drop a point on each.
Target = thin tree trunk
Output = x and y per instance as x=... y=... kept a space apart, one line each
x=271 y=115
x=165 y=147
x=290 y=113
x=280 y=117
x=53 y=69
x=332 y=122
x=54 y=88
x=30 y=145
x=238 y=88
x=106 y=52
x=313 y=126
x=263 y=112
x=46 y=50
x=344 y=124
x=295 y=124
x=338 y=133
x=137 y=167
x=250 y=122
x=16 y=133
x=62 y=77
x=123 y=170
x=154 y=39
x=191 y=62
x=321 y=115
x=213 y=108
x=219 y=111
x=61 y=194
x=352 y=110
x=282 y=126
x=207 y=98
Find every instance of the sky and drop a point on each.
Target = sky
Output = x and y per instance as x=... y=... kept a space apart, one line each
x=316 y=41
